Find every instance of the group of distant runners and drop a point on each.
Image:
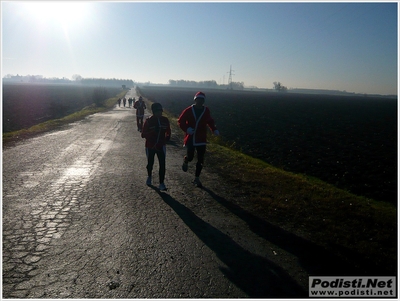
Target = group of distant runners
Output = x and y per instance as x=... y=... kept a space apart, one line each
x=122 y=101
x=156 y=129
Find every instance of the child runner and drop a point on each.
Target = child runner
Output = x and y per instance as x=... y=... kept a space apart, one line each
x=194 y=121
x=157 y=131
x=140 y=106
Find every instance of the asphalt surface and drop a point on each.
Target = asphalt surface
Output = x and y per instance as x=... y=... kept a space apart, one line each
x=79 y=222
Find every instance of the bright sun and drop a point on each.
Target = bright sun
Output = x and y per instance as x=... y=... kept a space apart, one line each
x=65 y=13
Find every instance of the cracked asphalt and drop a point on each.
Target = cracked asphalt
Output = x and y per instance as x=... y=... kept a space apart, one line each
x=79 y=222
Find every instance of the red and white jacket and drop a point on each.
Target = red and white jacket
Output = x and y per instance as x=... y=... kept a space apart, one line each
x=188 y=119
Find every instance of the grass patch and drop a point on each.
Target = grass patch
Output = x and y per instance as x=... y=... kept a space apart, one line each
x=56 y=123
x=350 y=225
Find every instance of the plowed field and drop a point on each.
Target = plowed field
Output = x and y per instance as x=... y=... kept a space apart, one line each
x=25 y=105
x=348 y=141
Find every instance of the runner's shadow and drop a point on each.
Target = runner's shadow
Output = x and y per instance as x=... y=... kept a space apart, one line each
x=255 y=275
x=315 y=259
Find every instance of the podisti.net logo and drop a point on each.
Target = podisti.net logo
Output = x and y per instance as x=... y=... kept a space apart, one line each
x=352 y=287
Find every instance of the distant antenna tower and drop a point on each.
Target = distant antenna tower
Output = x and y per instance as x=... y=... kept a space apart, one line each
x=230 y=85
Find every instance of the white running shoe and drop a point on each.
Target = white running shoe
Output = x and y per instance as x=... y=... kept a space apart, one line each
x=162 y=187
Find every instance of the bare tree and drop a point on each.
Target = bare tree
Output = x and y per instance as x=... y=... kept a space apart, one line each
x=278 y=87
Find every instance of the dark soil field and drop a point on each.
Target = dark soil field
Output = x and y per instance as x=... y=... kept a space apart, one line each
x=25 y=105
x=348 y=141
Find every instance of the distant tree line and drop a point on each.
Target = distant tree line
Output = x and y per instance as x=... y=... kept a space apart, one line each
x=107 y=82
x=191 y=83
x=76 y=79
x=205 y=84
x=34 y=79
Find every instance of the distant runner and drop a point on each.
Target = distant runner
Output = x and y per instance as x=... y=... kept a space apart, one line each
x=140 y=106
x=194 y=121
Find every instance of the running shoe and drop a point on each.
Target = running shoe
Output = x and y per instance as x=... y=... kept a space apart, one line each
x=162 y=187
x=185 y=166
x=148 y=182
x=197 y=182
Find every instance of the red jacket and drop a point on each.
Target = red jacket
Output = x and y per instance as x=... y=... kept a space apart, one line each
x=188 y=119
x=157 y=132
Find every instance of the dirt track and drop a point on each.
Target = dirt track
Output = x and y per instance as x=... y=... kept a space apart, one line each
x=79 y=222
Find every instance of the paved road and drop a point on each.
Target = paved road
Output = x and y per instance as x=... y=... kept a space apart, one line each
x=79 y=222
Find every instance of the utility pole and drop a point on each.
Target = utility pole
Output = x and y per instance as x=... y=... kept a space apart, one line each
x=230 y=78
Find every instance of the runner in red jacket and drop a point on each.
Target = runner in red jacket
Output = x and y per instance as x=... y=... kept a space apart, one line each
x=194 y=121
x=157 y=131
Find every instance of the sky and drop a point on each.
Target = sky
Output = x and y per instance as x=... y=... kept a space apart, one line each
x=342 y=46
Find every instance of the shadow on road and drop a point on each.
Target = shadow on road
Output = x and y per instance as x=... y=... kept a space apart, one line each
x=255 y=275
x=316 y=260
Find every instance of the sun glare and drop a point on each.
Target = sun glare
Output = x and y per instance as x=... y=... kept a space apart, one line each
x=65 y=13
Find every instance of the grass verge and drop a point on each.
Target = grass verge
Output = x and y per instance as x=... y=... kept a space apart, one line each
x=311 y=208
